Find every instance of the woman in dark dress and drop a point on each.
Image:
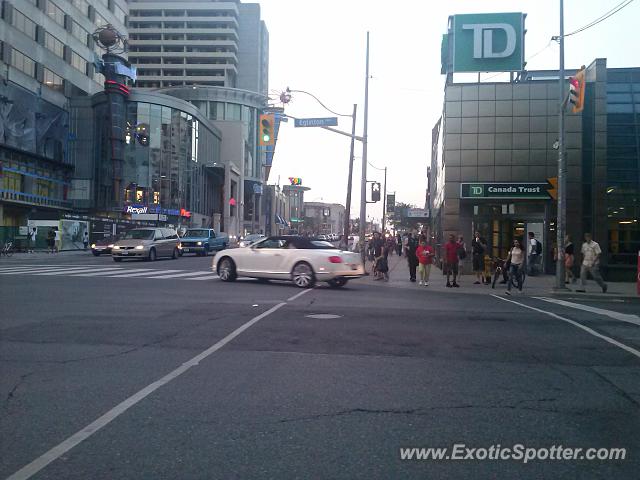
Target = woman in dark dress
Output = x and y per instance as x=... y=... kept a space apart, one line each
x=569 y=260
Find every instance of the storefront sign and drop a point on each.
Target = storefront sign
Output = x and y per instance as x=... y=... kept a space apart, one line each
x=132 y=209
x=144 y=209
x=530 y=191
x=488 y=42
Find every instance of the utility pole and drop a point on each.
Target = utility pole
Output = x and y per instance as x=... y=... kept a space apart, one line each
x=384 y=203
x=363 y=180
x=562 y=166
x=347 y=219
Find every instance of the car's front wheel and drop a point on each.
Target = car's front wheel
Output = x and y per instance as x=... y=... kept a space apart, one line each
x=337 y=282
x=303 y=276
x=176 y=253
x=152 y=255
x=227 y=270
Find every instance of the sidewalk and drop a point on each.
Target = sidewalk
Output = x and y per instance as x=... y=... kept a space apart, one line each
x=45 y=255
x=540 y=285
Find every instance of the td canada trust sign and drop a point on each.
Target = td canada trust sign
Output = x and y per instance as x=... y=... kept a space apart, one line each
x=531 y=191
x=487 y=42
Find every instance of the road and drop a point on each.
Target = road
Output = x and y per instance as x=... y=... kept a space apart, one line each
x=269 y=381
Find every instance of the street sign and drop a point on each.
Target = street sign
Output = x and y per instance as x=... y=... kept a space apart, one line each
x=507 y=190
x=316 y=122
x=391 y=202
x=487 y=42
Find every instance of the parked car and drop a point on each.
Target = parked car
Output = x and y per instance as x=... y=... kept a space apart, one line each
x=301 y=260
x=147 y=244
x=201 y=241
x=250 y=239
x=104 y=245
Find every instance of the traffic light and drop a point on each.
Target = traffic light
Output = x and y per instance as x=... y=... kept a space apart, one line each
x=375 y=192
x=576 y=91
x=266 y=129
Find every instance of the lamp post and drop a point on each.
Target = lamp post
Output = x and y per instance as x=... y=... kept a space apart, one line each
x=286 y=98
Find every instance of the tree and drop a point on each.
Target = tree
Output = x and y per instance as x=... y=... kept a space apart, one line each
x=400 y=220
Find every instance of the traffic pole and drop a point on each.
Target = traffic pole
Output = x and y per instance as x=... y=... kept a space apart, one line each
x=363 y=180
x=384 y=204
x=561 y=218
x=347 y=219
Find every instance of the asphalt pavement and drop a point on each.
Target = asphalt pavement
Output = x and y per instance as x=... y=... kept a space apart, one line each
x=160 y=370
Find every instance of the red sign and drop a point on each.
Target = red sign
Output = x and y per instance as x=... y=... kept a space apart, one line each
x=185 y=213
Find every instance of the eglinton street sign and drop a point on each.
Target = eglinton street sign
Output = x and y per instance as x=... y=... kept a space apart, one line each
x=316 y=122
x=488 y=42
x=531 y=191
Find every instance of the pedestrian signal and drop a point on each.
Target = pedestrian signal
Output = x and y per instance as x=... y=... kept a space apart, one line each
x=375 y=192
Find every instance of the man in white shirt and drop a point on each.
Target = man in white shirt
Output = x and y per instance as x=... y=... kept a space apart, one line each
x=57 y=240
x=533 y=254
x=591 y=263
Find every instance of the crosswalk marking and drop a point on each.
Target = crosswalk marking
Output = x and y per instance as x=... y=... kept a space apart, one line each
x=108 y=272
x=623 y=317
x=96 y=273
x=148 y=272
x=29 y=271
x=179 y=275
x=70 y=271
x=210 y=276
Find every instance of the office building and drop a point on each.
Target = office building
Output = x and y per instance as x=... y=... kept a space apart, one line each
x=47 y=57
x=322 y=218
x=495 y=152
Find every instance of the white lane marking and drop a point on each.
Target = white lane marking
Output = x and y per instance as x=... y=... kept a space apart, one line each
x=623 y=317
x=56 y=452
x=69 y=271
x=31 y=271
x=103 y=271
x=209 y=276
x=148 y=271
x=298 y=295
x=178 y=275
x=612 y=341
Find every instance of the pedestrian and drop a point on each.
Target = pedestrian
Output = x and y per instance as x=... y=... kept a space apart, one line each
x=399 y=244
x=51 y=240
x=411 y=245
x=478 y=247
x=515 y=260
x=56 y=240
x=569 y=260
x=451 y=260
x=32 y=240
x=425 y=255
x=535 y=251
x=590 y=263
x=462 y=254
x=85 y=239
x=376 y=247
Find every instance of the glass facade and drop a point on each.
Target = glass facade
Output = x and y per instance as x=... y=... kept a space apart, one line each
x=623 y=165
x=165 y=163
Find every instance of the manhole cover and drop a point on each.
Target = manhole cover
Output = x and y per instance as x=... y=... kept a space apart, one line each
x=323 y=316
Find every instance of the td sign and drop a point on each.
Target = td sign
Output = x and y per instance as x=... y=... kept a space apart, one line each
x=488 y=42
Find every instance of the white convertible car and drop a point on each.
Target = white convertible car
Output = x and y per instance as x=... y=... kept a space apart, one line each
x=301 y=260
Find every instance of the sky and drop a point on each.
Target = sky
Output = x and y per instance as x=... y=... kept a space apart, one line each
x=319 y=47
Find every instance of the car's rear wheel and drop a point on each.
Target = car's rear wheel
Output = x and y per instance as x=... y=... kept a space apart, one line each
x=337 y=282
x=117 y=259
x=152 y=255
x=175 y=254
x=227 y=270
x=303 y=276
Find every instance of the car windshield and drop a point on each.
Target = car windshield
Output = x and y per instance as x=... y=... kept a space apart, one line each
x=139 y=235
x=197 y=232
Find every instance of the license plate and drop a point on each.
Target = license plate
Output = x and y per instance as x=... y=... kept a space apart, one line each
x=124 y=253
x=186 y=250
x=354 y=267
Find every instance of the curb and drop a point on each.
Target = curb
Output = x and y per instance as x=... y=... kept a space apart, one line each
x=596 y=296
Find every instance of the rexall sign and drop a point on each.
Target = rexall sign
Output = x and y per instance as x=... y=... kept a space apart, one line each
x=487 y=42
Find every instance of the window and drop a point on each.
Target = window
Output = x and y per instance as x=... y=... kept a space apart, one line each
x=100 y=20
x=81 y=5
x=54 y=12
x=78 y=62
x=120 y=15
x=54 y=45
x=80 y=33
x=22 y=23
x=23 y=63
x=12 y=181
x=52 y=80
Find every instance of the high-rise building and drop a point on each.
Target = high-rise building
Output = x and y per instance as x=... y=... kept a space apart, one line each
x=47 y=57
x=253 y=50
x=184 y=43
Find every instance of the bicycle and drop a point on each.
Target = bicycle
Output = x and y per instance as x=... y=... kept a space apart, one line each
x=500 y=267
x=7 y=249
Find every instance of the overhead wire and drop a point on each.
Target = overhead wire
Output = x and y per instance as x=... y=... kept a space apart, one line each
x=601 y=18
